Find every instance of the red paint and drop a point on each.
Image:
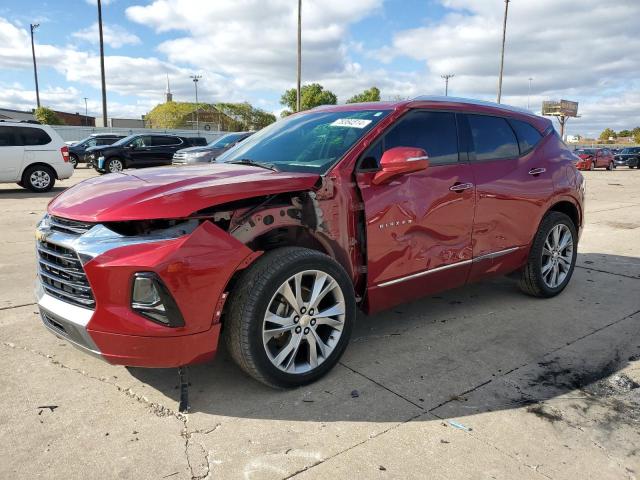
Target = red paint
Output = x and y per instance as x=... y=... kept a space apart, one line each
x=601 y=158
x=380 y=226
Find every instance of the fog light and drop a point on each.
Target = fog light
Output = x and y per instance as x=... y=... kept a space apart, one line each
x=151 y=298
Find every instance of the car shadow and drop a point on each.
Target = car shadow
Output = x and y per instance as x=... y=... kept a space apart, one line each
x=19 y=193
x=483 y=347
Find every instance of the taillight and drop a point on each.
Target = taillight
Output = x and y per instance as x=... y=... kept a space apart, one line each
x=65 y=153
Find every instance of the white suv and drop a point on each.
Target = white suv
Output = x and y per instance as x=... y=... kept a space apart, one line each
x=32 y=155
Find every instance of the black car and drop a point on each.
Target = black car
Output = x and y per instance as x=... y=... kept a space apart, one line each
x=629 y=157
x=139 y=151
x=78 y=150
x=209 y=153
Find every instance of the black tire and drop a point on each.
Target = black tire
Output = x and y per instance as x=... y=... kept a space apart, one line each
x=611 y=166
x=251 y=298
x=73 y=159
x=531 y=281
x=592 y=167
x=38 y=178
x=111 y=165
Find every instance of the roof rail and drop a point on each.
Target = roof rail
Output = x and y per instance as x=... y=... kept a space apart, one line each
x=36 y=122
x=471 y=101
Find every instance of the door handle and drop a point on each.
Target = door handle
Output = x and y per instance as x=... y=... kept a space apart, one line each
x=460 y=187
x=537 y=171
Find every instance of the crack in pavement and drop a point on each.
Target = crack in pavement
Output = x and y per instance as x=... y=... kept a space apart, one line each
x=610 y=273
x=9 y=307
x=156 y=409
x=454 y=398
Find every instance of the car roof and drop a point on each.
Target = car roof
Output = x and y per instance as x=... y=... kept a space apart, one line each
x=445 y=102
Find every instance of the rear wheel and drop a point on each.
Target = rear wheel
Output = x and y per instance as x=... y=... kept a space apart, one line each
x=611 y=166
x=552 y=257
x=39 y=178
x=290 y=317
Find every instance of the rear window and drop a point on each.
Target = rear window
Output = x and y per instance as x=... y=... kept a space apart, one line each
x=493 y=138
x=528 y=137
x=20 y=136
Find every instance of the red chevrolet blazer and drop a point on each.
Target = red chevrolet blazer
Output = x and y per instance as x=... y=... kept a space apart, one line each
x=276 y=245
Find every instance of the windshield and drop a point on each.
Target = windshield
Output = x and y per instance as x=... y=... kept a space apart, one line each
x=225 y=140
x=629 y=151
x=587 y=151
x=311 y=142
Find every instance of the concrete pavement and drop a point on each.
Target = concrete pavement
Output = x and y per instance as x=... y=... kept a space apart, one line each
x=480 y=382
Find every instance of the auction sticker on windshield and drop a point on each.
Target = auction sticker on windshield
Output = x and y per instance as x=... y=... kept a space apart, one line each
x=351 y=122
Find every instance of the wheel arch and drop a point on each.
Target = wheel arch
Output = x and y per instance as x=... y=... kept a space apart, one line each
x=41 y=164
x=570 y=209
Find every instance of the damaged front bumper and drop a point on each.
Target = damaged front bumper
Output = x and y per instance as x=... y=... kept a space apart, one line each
x=84 y=289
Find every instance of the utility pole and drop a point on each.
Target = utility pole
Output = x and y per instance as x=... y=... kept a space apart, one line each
x=104 y=87
x=86 y=110
x=35 y=67
x=504 y=37
x=529 y=95
x=195 y=79
x=298 y=91
x=446 y=82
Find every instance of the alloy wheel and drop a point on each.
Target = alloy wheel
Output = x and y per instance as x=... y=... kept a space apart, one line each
x=40 y=179
x=557 y=256
x=115 y=166
x=303 y=322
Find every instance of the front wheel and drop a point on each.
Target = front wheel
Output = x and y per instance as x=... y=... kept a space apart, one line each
x=290 y=317
x=592 y=166
x=552 y=258
x=114 y=165
x=611 y=166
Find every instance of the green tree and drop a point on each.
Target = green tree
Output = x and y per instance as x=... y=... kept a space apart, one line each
x=47 y=116
x=624 y=133
x=636 y=136
x=607 y=133
x=371 y=95
x=247 y=116
x=312 y=95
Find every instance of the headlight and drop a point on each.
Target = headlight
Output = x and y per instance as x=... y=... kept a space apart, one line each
x=151 y=299
x=199 y=154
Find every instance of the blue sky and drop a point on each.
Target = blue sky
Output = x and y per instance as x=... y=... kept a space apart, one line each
x=245 y=50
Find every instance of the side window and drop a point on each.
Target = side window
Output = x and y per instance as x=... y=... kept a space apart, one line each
x=142 y=141
x=370 y=159
x=528 y=136
x=434 y=132
x=493 y=138
x=163 y=141
x=92 y=142
x=8 y=138
x=33 y=136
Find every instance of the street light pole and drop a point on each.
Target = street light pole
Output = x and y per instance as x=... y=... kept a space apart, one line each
x=298 y=90
x=446 y=82
x=104 y=88
x=195 y=79
x=529 y=95
x=35 y=67
x=504 y=37
x=86 y=110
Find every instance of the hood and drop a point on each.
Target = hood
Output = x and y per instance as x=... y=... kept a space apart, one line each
x=584 y=156
x=200 y=149
x=169 y=192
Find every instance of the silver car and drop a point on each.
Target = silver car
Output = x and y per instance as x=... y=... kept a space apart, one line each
x=208 y=153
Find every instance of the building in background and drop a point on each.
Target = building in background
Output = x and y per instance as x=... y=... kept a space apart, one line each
x=18 y=115
x=76 y=119
x=121 y=123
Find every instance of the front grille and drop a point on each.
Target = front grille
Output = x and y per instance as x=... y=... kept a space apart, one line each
x=65 y=225
x=62 y=276
x=179 y=157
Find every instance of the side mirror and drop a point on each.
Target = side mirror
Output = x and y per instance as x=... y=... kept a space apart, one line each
x=400 y=161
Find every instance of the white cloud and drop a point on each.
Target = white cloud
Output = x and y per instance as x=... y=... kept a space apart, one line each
x=113 y=35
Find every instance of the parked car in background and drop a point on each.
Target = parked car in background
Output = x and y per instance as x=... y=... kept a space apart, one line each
x=592 y=158
x=32 y=155
x=210 y=152
x=628 y=157
x=78 y=150
x=285 y=235
x=140 y=151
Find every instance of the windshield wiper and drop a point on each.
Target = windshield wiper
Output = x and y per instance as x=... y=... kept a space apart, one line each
x=253 y=163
